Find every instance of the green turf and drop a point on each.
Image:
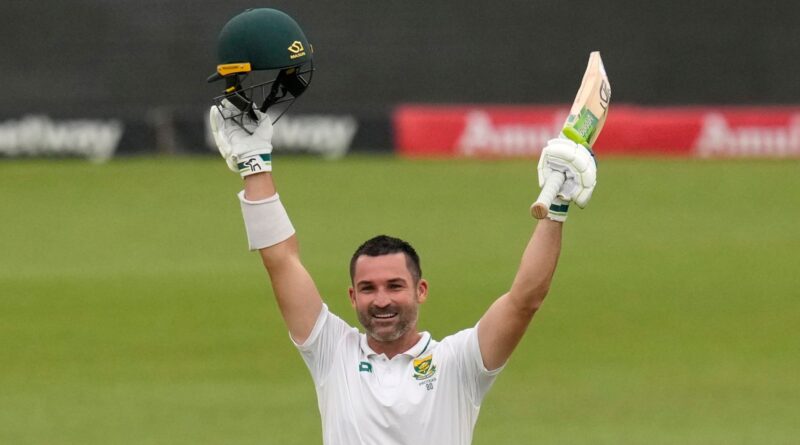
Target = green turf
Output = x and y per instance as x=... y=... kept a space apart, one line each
x=131 y=313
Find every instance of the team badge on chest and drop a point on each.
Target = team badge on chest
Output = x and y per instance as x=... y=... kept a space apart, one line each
x=424 y=368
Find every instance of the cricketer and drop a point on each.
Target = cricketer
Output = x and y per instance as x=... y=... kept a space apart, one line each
x=391 y=383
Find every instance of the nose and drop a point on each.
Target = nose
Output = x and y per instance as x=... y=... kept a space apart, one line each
x=382 y=300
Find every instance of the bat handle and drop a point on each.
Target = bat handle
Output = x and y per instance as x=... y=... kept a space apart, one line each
x=551 y=187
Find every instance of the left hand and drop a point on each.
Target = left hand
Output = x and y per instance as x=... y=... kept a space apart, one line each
x=246 y=148
x=578 y=165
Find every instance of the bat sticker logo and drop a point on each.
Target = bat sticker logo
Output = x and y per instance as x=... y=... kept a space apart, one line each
x=605 y=94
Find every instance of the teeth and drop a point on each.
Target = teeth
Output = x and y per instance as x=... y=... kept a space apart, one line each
x=384 y=315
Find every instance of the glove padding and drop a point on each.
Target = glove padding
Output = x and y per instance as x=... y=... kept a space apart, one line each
x=578 y=165
x=246 y=148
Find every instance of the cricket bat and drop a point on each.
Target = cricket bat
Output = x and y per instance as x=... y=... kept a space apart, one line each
x=583 y=125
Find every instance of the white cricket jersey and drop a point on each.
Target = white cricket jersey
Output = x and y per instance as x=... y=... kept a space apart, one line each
x=431 y=393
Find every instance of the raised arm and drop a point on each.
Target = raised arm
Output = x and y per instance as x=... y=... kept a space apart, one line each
x=503 y=325
x=297 y=296
x=246 y=145
x=505 y=322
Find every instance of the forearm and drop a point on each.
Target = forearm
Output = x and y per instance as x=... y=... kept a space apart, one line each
x=259 y=186
x=277 y=257
x=537 y=266
x=295 y=292
x=504 y=324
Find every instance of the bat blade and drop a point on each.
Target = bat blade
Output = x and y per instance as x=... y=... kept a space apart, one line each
x=583 y=125
x=590 y=108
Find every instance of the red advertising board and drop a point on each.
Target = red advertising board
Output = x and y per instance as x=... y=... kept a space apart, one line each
x=512 y=131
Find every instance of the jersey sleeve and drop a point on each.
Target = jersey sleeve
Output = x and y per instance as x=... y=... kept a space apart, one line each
x=466 y=355
x=327 y=336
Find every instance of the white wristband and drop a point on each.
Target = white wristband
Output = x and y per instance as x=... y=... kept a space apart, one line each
x=265 y=221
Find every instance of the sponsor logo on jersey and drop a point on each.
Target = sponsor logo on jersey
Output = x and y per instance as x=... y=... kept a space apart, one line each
x=424 y=368
x=365 y=367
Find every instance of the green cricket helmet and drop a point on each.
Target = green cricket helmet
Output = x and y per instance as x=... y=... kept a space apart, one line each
x=262 y=40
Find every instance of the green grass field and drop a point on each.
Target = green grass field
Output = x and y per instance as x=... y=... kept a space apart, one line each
x=132 y=313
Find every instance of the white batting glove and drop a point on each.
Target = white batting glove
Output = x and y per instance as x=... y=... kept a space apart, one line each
x=578 y=165
x=246 y=151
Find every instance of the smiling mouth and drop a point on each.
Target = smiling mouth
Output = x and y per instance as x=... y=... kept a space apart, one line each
x=384 y=316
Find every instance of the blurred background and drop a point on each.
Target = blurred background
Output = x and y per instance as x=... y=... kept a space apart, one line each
x=144 y=63
x=131 y=313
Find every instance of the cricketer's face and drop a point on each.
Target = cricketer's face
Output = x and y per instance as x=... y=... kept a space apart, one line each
x=385 y=296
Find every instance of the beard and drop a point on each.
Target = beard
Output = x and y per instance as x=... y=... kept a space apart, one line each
x=390 y=330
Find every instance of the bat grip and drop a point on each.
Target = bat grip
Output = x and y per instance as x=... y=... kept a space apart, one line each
x=551 y=187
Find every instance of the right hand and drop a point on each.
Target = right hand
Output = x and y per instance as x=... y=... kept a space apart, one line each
x=246 y=145
x=578 y=165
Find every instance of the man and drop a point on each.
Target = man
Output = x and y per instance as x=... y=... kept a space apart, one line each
x=392 y=384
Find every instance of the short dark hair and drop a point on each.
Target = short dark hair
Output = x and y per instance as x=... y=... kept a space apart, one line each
x=387 y=245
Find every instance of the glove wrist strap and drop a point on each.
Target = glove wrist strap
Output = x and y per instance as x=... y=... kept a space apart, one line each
x=558 y=210
x=250 y=165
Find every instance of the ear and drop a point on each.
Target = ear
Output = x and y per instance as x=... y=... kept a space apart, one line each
x=352 y=294
x=422 y=291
